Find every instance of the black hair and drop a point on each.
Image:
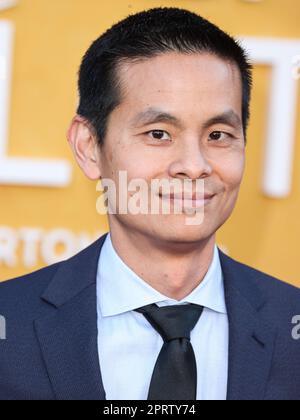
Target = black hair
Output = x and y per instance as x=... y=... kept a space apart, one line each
x=145 y=35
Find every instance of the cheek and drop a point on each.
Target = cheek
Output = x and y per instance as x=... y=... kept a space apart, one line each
x=231 y=171
x=138 y=163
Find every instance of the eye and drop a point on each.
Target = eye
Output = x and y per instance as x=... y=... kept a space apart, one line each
x=159 y=135
x=219 y=136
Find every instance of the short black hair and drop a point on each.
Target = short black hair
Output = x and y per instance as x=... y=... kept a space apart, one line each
x=145 y=35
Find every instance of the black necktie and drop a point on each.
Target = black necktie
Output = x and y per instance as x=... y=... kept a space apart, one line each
x=175 y=373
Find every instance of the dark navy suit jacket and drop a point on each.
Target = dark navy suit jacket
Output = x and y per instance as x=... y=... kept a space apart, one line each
x=50 y=351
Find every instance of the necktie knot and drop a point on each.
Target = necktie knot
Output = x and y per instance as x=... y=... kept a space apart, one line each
x=172 y=322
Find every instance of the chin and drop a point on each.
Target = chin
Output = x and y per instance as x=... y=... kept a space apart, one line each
x=181 y=233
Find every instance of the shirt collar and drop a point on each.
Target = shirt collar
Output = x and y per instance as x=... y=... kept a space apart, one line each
x=120 y=290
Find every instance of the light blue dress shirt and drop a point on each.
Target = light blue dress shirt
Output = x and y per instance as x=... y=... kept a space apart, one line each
x=129 y=346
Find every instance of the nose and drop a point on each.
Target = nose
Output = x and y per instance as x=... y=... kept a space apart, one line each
x=191 y=161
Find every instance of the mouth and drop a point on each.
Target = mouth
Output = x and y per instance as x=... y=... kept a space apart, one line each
x=194 y=201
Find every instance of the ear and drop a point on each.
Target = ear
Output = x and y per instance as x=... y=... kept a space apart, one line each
x=85 y=149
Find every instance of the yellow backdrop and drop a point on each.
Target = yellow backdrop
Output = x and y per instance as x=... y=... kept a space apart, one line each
x=51 y=37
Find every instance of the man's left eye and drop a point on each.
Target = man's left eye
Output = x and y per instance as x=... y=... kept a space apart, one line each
x=219 y=135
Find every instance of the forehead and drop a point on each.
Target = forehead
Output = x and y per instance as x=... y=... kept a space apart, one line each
x=171 y=71
x=185 y=82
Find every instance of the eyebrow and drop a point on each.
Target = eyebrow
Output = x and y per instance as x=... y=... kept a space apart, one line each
x=155 y=115
x=228 y=118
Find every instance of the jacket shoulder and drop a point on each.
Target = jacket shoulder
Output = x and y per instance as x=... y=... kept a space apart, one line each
x=279 y=292
x=22 y=291
x=25 y=292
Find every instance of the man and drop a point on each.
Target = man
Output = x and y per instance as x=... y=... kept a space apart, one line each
x=154 y=310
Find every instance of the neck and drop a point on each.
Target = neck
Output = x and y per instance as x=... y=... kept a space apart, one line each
x=173 y=269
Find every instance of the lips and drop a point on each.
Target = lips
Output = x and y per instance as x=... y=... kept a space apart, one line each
x=194 y=197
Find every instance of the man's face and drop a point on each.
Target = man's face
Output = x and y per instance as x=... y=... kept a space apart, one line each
x=179 y=118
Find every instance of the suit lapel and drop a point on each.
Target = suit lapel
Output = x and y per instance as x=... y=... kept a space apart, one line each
x=68 y=336
x=251 y=339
